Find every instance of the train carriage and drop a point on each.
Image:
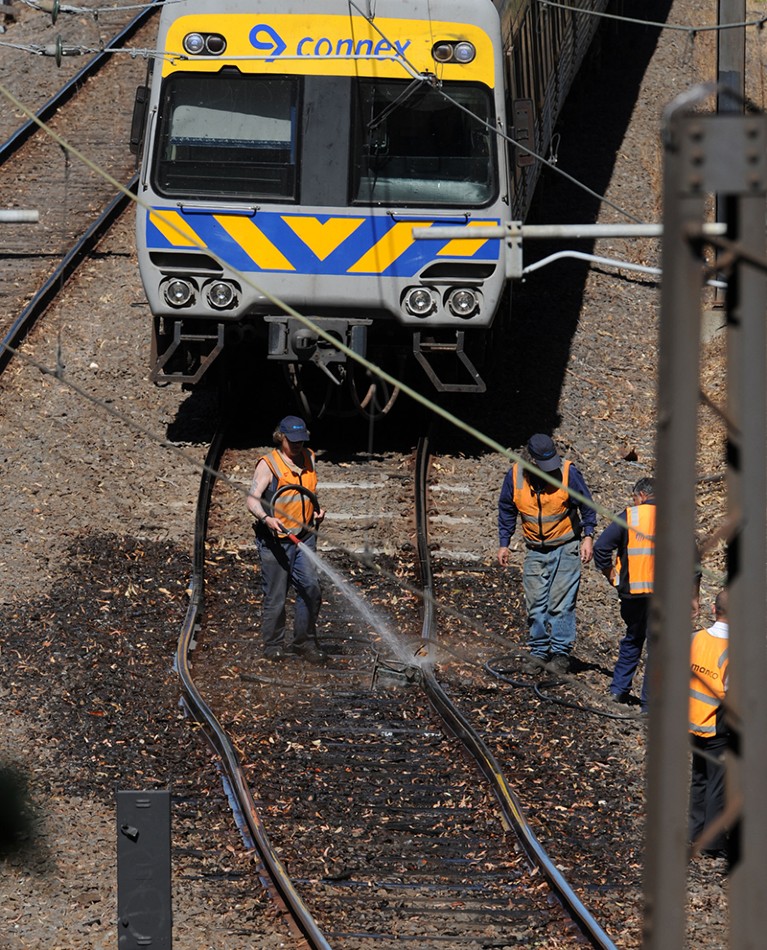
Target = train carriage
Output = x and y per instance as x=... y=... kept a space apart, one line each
x=290 y=148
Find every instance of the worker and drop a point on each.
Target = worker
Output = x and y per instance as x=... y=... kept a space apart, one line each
x=284 y=561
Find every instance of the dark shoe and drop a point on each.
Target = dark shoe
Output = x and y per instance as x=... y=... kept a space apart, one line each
x=618 y=697
x=533 y=665
x=309 y=652
x=559 y=663
x=274 y=655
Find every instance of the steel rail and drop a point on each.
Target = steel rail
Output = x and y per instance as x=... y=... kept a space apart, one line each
x=64 y=270
x=72 y=87
x=216 y=735
x=511 y=808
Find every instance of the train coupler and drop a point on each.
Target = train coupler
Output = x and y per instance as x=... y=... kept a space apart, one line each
x=292 y=340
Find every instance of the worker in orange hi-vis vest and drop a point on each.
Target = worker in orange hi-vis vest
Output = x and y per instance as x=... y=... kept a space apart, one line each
x=283 y=501
x=708 y=731
x=557 y=530
x=632 y=573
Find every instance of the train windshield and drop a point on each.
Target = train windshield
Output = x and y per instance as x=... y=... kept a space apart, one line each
x=414 y=146
x=228 y=135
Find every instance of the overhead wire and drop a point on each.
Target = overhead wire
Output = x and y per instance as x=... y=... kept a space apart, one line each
x=58 y=372
x=449 y=417
x=509 y=454
x=657 y=24
x=58 y=50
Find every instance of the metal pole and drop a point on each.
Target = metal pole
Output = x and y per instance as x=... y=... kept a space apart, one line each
x=669 y=635
x=515 y=229
x=144 y=910
x=730 y=71
x=17 y=216
x=747 y=495
x=731 y=56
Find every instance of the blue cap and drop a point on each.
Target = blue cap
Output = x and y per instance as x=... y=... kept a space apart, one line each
x=294 y=429
x=543 y=452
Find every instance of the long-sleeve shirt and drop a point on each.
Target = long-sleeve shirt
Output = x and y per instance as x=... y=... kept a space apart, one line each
x=615 y=539
x=507 y=510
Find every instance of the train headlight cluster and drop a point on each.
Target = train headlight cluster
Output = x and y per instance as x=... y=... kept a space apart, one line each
x=198 y=43
x=462 y=302
x=420 y=301
x=462 y=52
x=220 y=294
x=178 y=292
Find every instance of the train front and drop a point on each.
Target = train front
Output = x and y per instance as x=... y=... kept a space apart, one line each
x=289 y=156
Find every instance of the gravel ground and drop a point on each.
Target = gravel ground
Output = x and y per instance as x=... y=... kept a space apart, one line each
x=89 y=499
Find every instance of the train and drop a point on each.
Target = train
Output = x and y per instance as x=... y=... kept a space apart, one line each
x=288 y=149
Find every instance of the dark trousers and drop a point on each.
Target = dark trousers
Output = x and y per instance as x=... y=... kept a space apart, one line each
x=707 y=789
x=635 y=612
x=285 y=564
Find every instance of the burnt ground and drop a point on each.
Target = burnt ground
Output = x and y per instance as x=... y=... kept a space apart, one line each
x=95 y=554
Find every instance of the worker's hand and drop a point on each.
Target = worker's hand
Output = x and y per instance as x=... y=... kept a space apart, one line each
x=319 y=516
x=587 y=550
x=695 y=611
x=503 y=556
x=275 y=525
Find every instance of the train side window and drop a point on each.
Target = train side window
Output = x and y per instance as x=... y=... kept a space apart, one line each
x=228 y=135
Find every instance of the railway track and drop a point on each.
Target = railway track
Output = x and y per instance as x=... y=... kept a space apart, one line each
x=37 y=259
x=360 y=798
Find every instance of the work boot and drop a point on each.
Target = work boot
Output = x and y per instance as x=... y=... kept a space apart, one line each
x=533 y=665
x=559 y=663
x=618 y=697
x=307 y=650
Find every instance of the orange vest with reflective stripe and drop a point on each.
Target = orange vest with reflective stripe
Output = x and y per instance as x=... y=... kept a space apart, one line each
x=640 y=551
x=293 y=509
x=708 y=673
x=546 y=514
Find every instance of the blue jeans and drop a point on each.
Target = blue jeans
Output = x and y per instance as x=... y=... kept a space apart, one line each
x=551 y=580
x=284 y=563
x=635 y=612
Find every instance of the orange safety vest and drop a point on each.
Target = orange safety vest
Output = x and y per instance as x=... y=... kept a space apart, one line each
x=708 y=675
x=293 y=509
x=547 y=515
x=640 y=552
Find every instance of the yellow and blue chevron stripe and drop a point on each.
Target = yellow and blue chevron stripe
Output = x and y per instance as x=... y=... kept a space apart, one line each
x=332 y=244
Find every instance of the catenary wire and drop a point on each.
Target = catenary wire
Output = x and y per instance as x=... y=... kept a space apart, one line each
x=378 y=371
x=758 y=23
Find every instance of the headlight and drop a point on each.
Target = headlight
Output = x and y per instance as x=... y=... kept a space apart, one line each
x=462 y=303
x=464 y=52
x=419 y=301
x=194 y=43
x=442 y=52
x=212 y=43
x=215 y=44
x=177 y=292
x=220 y=294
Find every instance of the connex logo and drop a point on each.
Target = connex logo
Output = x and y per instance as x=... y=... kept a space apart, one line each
x=266 y=39
x=272 y=44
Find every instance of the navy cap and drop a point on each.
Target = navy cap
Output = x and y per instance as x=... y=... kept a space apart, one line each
x=543 y=452
x=294 y=429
